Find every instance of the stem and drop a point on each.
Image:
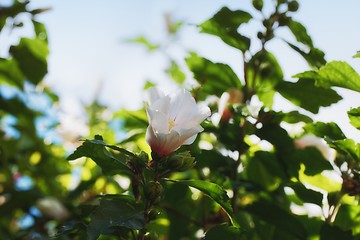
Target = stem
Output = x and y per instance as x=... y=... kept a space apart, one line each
x=334 y=208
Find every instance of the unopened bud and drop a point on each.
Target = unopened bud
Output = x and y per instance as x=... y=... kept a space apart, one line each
x=181 y=161
x=152 y=191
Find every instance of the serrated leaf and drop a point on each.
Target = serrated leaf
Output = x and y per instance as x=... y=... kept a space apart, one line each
x=321 y=130
x=113 y=213
x=214 y=191
x=300 y=33
x=278 y=217
x=96 y=150
x=354 y=116
x=31 y=55
x=223 y=232
x=306 y=95
x=214 y=78
x=346 y=146
x=335 y=74
x=225 y=24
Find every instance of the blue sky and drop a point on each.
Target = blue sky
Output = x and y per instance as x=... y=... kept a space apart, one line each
x=88 y=49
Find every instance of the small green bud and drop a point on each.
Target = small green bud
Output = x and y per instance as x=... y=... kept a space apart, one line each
x=293 y=6
x=152 y=191
x=260 y=35
x=181 y=161
x=258 y=4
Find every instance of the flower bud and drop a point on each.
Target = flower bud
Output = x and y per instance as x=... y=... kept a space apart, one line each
x=180 y=161
x=293 y=6
x=258 y=4
x=152 y=191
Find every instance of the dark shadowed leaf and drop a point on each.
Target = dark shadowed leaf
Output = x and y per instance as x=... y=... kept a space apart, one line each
x=214 y=78
x=335 y=74
x=354 y=116
x=95 y=149
x=329 y=232
x=214 y=191
x=31 y=54
x=278 y=217
x=314 y=57
x=112 y=213
x=225 y=24
x=306 y=194
x=305 y=94
x=313 y=160
x=223 y=232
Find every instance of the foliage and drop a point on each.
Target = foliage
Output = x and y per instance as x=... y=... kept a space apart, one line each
x=246 y=176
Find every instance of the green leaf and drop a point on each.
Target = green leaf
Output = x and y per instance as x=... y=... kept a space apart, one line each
x=113 y=213
x=357 y=55
x=31 y=54
x=143 y=41
x=214 y=191
x=10 y=73
x=225 y=24
x=354 y=116
x=148 y=84
x=295 y=117
x=335 y=74
x=263 y=74
x=176 y=73
x=95 y=149
x=305 y=94
x=278 y=217
x=314 y=57
x=306 y=194
x=223 y=232
x=265 y=170
x=313 y=160
x=346 y=146
x=321 y=130
x=40 y=31
x=300 y=33
x=329 y=232
x=213 y=78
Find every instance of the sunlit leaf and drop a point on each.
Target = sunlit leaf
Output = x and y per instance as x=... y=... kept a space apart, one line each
x=145 y=42
x=10 y=73
x=305 y=94
x=321 y=130
x=300 y=33
x=225 y=24
x=347 y=146
x=335 y=74
x=213 y=78
x=357 y=55
x=354 y=116
x=176 y=73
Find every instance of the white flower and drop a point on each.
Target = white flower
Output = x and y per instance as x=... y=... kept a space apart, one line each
x=174 y=120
